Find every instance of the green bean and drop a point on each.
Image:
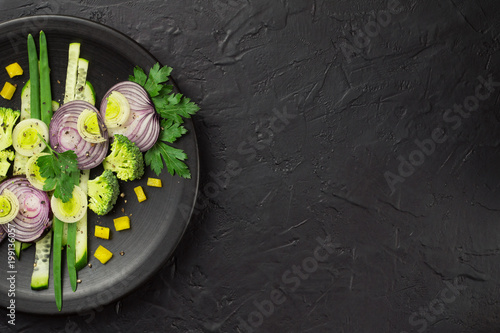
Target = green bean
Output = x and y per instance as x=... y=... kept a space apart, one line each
x=45 y=91
x=57 y=226
x=71 y=254
x=34 y=79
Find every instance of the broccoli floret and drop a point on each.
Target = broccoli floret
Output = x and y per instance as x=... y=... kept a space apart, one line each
x=6 y=155
x=125 y=159
x=103 y=192
x=8 y=119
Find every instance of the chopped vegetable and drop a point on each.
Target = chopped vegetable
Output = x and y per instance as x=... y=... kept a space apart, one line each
x=102 y=254
x=9 y=207
x=101 y=232
x=122 y=223
x=141 y=196
x=64 y=134
x=40 y=276
x=14 y=70
x=81 y=227
x=34 y=78
x=33 y=218
x=154 y=182
x=8 y=90
x=29 y=137
x=72 y=210
x=125 y=159
x=33 y=172
x=8 y=119
x=103 y=192
x=56 y=260
x=45 y=91
x=71 y=254
x=6 y=155
x=72 y=72
x=81 y=79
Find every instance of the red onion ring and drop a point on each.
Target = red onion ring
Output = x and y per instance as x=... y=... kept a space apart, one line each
x=34 y=216
x=63 y=133
x=143 y=125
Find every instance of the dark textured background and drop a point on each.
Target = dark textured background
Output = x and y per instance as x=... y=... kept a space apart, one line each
x=267 y=192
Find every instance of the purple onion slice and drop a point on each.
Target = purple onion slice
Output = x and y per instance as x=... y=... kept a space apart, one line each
x=64 y=135
x=143 y=124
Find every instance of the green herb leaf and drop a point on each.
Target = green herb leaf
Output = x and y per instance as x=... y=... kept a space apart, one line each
x=172 y=108
x=175 y=107
x=61 y=171
x=173 y=158
x=171 y=130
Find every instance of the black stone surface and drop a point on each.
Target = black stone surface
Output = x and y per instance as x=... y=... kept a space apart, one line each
x=298 y=137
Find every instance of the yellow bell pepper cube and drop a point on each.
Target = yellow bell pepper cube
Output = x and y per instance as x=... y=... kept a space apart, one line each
x=140 y=193
x=122 y=223
x=8 y=90
x=102 y=254
x=102 y=232
x=154 y=182
x=14 y=70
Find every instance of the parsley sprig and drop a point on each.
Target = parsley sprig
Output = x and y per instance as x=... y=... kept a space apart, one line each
x=172 y=108
x=60 y=171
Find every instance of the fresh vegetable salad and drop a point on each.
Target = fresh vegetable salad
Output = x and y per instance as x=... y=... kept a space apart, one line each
x=47 y=151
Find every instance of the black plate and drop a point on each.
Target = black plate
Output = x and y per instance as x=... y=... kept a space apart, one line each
x=157 y=224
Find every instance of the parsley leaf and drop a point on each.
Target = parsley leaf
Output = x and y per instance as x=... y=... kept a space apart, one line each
x=61 y=173
x=173 y=158
x=172 y=107
x=171 y=131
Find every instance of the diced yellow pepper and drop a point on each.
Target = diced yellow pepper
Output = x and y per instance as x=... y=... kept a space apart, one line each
x=154 y=182
x=102 y=232
x=14 y=70
x=140 y=193
x=102 y=254
x=8 y=90
x=122 y=223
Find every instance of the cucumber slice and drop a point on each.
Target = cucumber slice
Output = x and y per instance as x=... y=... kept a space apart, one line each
x=64 y=240
x=25 y=101
x=72 y=71
x=81 y=228
x=17 y=249
x=40 y=276
x=20 y=164
x=89 y=93
x=81 y=79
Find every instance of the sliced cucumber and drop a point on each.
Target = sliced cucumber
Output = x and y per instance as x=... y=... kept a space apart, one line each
x=25 y=101
x=89 y=93
x=17 y=249
x=81 y=227
x=40 y=276
x=81 y=79
x=72 y=71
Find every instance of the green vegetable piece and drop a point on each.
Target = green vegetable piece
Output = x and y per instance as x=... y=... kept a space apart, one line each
x=34 y=78
x=5 y=156
x=125 y=159
x=103 y=192
x=71 y=254
x=45 y=90
x=57 y=227
x=8 y=118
